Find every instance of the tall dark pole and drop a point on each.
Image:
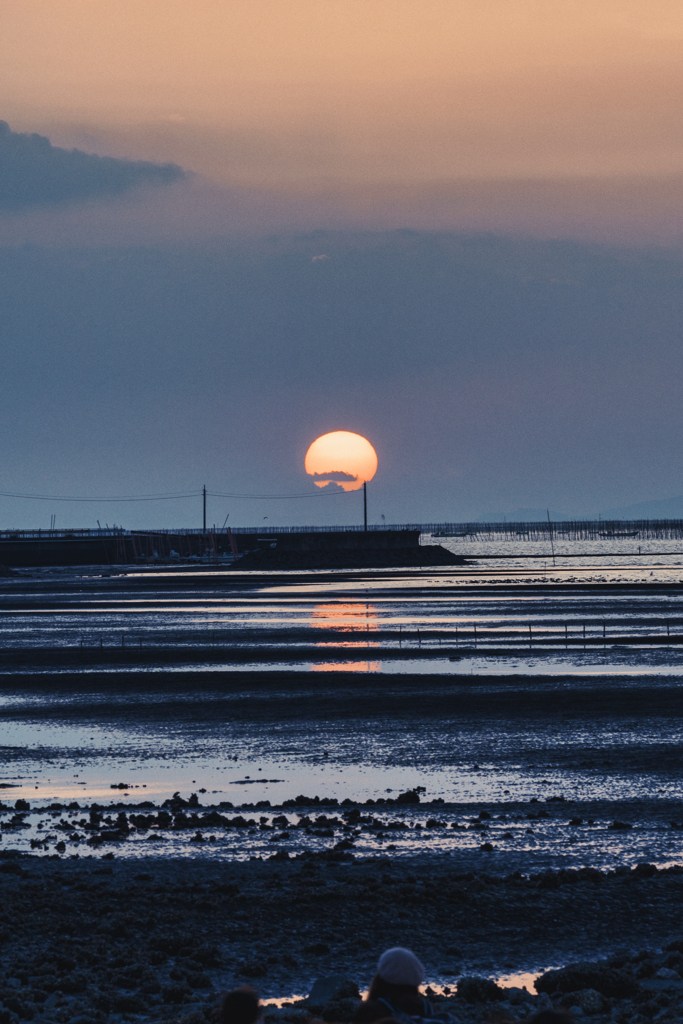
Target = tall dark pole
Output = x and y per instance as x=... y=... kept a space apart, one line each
x=204 y=496
x=365 y=506
x=550 y=530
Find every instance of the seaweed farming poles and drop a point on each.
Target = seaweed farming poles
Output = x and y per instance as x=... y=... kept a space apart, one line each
x=600 y=529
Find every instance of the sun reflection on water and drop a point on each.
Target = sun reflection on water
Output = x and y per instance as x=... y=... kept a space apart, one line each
x=348 y=666
x=351 y=616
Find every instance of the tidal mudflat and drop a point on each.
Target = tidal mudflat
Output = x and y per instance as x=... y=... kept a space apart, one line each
x=343 y=746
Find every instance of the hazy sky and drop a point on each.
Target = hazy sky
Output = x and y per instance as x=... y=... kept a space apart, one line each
x=166 y=326
x=554 y=116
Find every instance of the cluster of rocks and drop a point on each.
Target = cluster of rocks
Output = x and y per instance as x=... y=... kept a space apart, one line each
x=301 y=822
x=87 y=941
x=625 y=989
x=109 y=825
x=173 y=983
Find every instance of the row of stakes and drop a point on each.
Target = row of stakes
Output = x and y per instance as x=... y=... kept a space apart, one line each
x=419 y=637
x=566 y=633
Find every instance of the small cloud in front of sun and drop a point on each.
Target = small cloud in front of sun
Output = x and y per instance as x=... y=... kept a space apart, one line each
x=334 y=479
x=341 y=459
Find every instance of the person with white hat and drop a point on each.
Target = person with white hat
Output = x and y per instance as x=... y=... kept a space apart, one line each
x=394 y=992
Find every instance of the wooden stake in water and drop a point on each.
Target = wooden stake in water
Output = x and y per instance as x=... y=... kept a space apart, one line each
x=550 y=528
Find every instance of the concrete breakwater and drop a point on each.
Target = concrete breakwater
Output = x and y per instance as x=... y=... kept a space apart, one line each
x=306 y=549
x=329 y=547
x=376 y=549
x=42 y=548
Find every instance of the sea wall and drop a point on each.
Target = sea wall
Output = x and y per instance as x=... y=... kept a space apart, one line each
x=83 y=547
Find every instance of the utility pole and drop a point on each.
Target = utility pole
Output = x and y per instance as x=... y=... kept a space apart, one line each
x=204 y=518
x=365 y=506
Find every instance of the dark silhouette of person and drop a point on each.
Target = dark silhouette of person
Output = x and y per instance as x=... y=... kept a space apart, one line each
x=240 y=1006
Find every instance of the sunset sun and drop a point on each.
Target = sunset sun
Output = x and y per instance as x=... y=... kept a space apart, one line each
x=343 y=458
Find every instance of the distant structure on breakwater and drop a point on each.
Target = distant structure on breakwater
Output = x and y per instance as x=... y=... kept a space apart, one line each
x=301 y=546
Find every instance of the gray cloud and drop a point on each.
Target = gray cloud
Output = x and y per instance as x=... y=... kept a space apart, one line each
x=33 y=172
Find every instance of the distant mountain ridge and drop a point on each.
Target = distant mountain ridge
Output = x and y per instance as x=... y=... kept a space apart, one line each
x=528 y=515
x=664 y=508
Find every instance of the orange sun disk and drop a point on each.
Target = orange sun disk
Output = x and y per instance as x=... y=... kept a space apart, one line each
x=341 y=457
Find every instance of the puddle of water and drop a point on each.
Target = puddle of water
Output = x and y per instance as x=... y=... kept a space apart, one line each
x=281 y=1001
x=610 y=664
x=524 y=980
x=347 y=666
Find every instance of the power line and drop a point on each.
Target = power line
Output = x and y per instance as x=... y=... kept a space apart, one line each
x=166 y=497
x=135 y=497
x=274 y=497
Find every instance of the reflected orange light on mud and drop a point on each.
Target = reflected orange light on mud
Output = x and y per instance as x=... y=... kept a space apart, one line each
x=341 y=457
x=348 y=666
x=353 y=616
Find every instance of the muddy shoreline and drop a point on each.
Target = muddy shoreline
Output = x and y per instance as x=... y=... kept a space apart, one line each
x=96 y=940
x=569 y=748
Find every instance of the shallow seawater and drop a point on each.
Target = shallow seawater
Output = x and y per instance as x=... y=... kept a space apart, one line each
x=472 y=684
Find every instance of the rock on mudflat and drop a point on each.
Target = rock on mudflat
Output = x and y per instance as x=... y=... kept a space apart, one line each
x=331 y=989
x=608 y=981
x=590 y=1001
x=335 y=998
x=480 y=990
